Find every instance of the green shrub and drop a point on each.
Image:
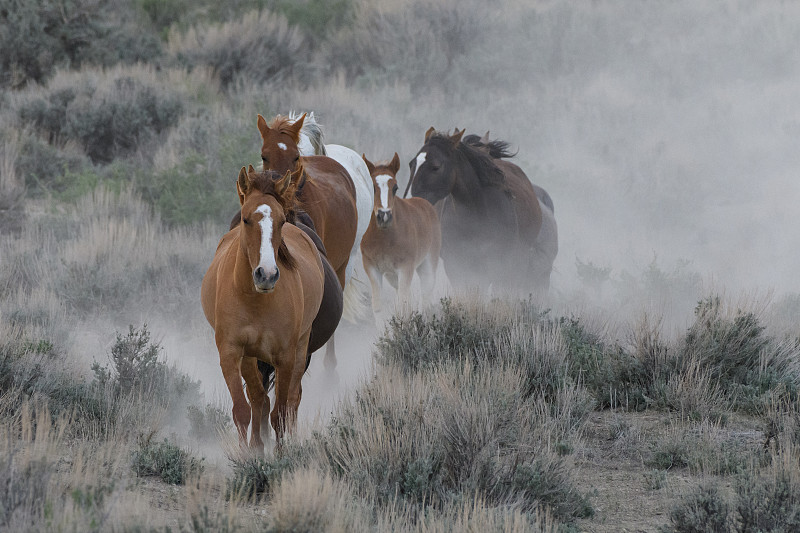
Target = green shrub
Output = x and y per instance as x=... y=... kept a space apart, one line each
x=769 y=503
x=747 y=364
x=165 y=460
x=259 y=47
x=704 y=511
x=137 y=369
x=108 y=119
x=614 y=377
x=208 y=422
x=44 y=167
x=254 y=477
x=319 y=18
x=41 y=35
x=23 y=489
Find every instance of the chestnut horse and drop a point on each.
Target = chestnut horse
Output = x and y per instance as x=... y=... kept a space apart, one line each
x=491 y=217
x=261 y=295
x=403 y=236
x=326 y=192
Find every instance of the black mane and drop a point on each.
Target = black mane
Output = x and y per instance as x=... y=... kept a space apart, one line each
x=489 y=175
x=497 y=148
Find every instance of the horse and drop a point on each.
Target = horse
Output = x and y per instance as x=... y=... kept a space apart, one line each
x=495 y=232
x=311 y=143
x=326 y=192
x=499 y=150
x=403 y=236
x=261 y=295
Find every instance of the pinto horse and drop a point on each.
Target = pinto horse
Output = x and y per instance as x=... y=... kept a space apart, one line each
x=261 y=295
x=491 y=217
x=403 y=236
x=326 y=192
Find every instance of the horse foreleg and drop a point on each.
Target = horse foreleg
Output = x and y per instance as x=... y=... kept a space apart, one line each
x=404 y=277
x=427 y=278
x=376 y=284
x=230 y=360
x=258 y=399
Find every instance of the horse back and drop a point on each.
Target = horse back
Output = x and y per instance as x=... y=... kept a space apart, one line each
x=528 y=210
x=329 y=198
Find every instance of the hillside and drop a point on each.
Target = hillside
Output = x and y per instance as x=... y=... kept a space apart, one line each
x=654 y=389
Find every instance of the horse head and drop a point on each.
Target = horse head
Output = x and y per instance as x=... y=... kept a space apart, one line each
x=432 y=171
x=279 y=151
x=268 y=200
x=384 y=181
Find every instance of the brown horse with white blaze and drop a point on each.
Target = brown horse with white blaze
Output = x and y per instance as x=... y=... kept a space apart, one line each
x=261 y=295
x=403 y=236
x=325 y=192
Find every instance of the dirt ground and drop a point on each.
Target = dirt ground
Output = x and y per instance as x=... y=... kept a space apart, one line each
x=627 y=494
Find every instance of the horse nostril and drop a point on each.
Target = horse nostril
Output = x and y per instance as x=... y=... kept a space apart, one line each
x=274 y=278
x=258 y=275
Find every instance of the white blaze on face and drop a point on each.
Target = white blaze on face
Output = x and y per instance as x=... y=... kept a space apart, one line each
x=267 y=259
x=421 y=159
x=383 y=185
x=282 y=146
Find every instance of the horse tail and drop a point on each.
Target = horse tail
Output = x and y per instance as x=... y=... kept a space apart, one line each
x=267 y=375
x=355 y=300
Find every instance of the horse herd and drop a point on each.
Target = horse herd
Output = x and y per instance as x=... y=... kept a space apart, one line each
x=280 y=279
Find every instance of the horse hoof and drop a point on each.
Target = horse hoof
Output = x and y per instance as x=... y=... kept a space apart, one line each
x=332 y=378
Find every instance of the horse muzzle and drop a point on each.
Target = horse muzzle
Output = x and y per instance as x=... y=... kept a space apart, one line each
x=265 y=281
x=383 y=217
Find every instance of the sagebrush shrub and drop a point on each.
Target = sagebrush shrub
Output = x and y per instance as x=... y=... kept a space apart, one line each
x=109 y=116
x=41 y=35
x=165 y=460
x=260 y=47
x=748 y=365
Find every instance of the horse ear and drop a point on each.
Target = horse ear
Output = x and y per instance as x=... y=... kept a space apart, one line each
x=295 y=128
x=241 y=184
x=456 y=138
x=428 y=133
x=485 y=138
x=394 y=164
x=262 y=126
x=283 y=184
x=370 y=166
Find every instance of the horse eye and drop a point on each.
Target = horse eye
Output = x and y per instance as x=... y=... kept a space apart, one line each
x=244 y=220
x=394 y=189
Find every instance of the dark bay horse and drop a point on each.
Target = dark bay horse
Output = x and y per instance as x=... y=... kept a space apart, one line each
x=403 y=236
x=491 y=217
x=325 y=192
x=261 y=295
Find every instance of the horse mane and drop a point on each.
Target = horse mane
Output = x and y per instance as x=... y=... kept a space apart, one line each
x=264 y=181
x=313 y=131
x=497 y=148
x=489 y=174
x=284 y=125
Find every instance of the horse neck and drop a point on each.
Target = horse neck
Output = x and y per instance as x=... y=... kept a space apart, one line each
x=467 y=189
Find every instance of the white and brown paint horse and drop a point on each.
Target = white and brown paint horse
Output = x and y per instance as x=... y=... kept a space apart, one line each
x=403 y=236
x=312 y=143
